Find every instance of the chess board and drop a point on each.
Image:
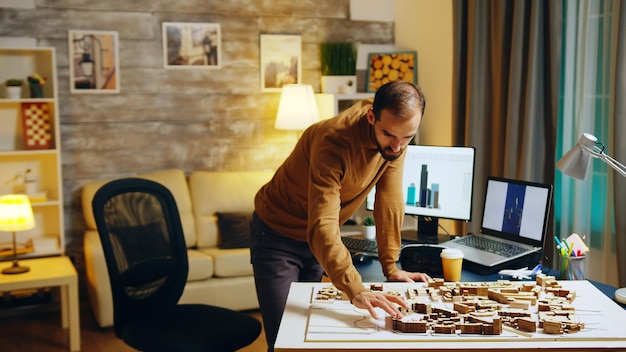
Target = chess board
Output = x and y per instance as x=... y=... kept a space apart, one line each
x=36 y=125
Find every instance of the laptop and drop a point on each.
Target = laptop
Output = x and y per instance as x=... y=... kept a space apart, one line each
x=513 y=228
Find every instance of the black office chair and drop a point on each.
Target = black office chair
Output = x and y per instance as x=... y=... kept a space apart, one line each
x=146 y=256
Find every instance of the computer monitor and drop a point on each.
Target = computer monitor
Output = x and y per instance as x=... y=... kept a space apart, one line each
x=437 y=183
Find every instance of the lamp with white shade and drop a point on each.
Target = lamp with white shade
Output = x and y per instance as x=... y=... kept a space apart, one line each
x=575 y=163
x=297 y=108
x=16 y=214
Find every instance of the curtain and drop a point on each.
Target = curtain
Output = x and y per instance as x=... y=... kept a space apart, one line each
x=506 y=85
x=594 y=79
x=619 y=119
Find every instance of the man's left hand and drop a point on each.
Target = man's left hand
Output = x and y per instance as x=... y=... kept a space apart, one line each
x=407 y=276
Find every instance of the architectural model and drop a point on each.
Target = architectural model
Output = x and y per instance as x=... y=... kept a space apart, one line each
x=486 y=308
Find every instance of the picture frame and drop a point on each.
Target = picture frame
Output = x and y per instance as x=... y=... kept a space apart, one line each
x=189 y=45
x=281 y=61
x=93 y=61
x=384 y=67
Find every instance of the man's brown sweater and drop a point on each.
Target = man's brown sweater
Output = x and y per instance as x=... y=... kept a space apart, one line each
x=323 y=182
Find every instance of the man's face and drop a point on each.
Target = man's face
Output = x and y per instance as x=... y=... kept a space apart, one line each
x=392 y=135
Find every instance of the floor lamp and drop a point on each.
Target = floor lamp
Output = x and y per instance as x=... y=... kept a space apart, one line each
x=16 y=214
x=575 y=164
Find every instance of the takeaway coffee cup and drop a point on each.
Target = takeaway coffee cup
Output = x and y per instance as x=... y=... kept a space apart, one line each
x=452 y=263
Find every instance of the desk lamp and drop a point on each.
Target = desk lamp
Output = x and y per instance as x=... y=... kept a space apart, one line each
x=15 y=215
x=575 y=164
x=297 y=108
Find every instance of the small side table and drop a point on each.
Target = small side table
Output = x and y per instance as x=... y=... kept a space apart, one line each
x=47 y=272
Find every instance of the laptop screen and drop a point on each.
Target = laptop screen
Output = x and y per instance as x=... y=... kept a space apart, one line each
x=517 y=210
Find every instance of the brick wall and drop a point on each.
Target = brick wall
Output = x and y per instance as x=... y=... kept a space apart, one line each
x=187 y=119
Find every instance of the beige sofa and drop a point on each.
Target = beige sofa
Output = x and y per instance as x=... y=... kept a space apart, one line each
x=221 y=277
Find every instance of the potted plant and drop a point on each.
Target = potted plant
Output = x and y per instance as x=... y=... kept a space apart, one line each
x=13 y=88
x=369 y=227
x=338 y=65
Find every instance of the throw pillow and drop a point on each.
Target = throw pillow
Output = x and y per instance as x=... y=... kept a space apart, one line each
x=234 y=229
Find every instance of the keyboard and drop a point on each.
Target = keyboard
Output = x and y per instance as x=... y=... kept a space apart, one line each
x=489 y=245
x=360 y=245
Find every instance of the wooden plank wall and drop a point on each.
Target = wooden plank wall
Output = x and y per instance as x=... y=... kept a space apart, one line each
x=187 y=119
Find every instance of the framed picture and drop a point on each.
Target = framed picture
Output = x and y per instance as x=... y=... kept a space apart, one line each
x=192 y=45
x=281 y=61
x=390 y=67
x=93 y=61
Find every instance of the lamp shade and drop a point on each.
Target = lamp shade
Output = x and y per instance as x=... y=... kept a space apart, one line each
x=16 y=213
x=576 y=161
x=297 y=108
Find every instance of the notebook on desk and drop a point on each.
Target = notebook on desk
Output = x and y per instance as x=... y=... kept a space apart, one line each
x=514 y=225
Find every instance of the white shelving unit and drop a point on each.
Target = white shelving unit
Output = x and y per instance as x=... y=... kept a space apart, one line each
x=47 y=238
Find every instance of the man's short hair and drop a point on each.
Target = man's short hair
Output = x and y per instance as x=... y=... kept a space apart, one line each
x=400 y=98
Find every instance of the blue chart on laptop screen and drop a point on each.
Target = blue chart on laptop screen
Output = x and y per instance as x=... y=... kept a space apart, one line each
x=516 y=209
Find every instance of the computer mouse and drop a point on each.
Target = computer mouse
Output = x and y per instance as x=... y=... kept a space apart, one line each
x=359 y=257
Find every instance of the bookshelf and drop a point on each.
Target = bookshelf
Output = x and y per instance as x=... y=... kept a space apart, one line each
x=30 y=155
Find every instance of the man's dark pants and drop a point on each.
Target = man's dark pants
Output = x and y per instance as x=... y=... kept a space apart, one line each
x=278 y=261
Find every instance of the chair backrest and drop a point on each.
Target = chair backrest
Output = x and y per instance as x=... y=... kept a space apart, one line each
x=144 y=246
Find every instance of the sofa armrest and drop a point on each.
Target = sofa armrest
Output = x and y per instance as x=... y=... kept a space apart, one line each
x=98 y=285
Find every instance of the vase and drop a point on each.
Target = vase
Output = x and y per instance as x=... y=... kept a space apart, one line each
x=14 y=92
x=338 y=84
x=36 y=90
x=369 y=232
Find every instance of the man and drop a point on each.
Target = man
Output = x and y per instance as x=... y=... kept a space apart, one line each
x=334 y=165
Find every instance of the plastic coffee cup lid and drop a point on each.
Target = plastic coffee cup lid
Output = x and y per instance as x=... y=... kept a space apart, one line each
x=620 y=295
x=451 y=253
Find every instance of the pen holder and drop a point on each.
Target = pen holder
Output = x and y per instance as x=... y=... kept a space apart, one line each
x=573 y=268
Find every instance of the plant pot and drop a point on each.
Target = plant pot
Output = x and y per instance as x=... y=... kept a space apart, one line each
x=369 y=232
x=338 y=84
x=14 y=92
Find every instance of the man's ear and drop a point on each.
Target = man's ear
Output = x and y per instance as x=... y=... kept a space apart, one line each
x=370 y=117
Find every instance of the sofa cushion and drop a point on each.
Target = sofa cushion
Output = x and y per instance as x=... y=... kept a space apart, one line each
x=200 y=265
x=221 y=191
x=230 y=262
x=234 y=229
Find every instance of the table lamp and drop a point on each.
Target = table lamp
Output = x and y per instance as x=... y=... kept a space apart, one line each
x=15 y=215
x=575 y=164
x=297 y=108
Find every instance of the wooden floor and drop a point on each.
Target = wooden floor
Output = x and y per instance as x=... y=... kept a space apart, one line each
x=40 y=330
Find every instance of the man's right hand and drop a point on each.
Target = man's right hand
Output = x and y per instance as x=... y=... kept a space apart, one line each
x=387 y=302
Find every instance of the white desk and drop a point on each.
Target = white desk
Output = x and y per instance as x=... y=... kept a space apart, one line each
x=49 y=272
x=605 y=329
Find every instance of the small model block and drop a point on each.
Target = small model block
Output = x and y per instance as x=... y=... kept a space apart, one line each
x=444 y=329
x=376 y=287
x=423 y=308
x=520 y=304
x=526 y=324
x=419 y=326
x=436 y=283
x=472 y=328
x=463 y=308
x=327 y=293
x=552 y=327
x=544 y=280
